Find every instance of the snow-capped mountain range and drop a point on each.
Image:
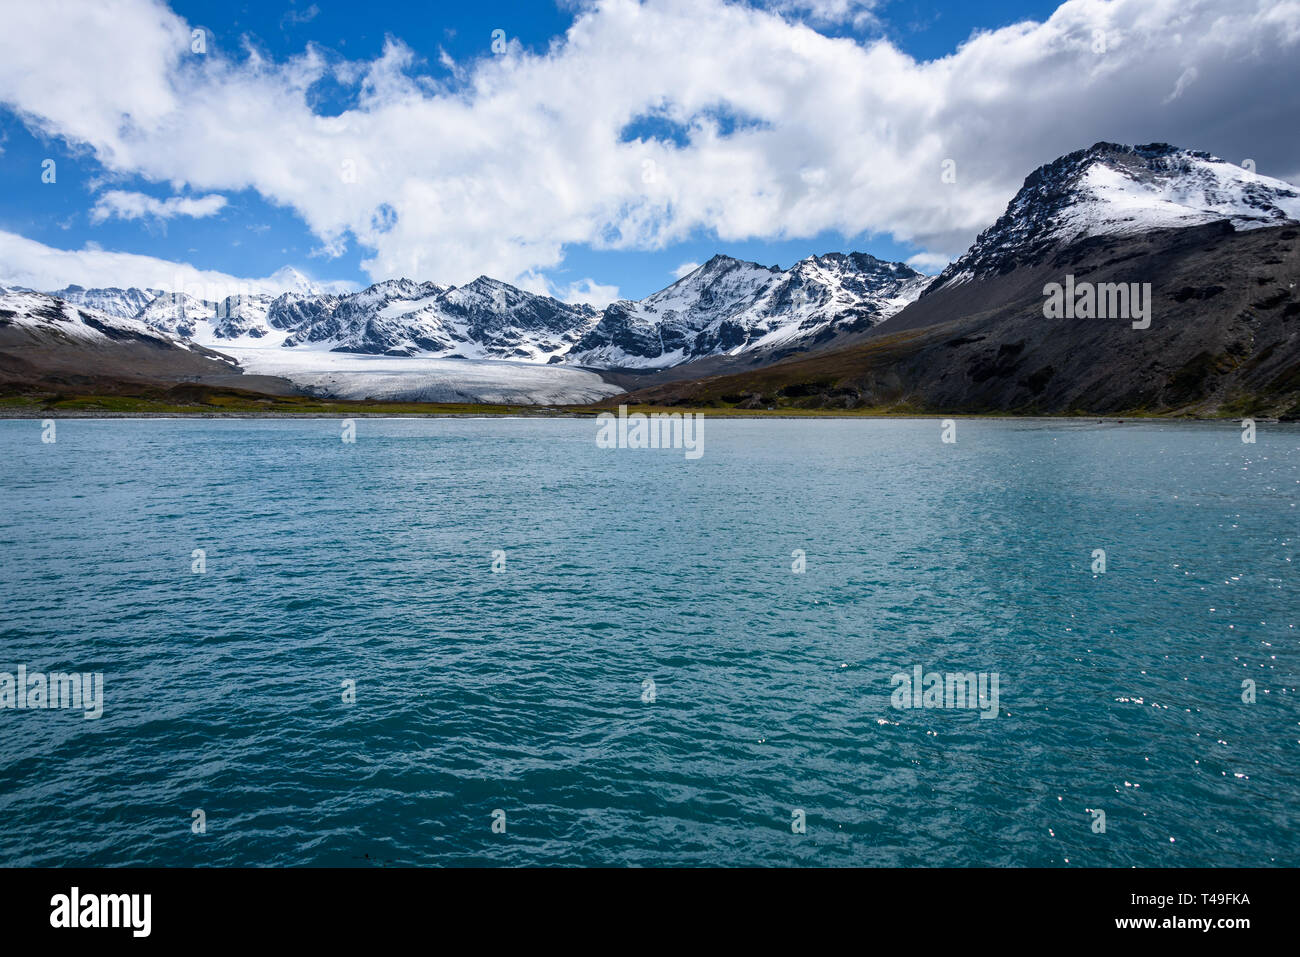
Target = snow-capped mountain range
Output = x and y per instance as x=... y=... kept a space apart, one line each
x=723 y=308
x=50 y=343
x=485 y=319
x=126 y=303
x=1110 y=189
x=50 y=340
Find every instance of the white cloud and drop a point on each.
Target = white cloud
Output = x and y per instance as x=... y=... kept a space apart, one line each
x=685 y=269
x=859 y=13
x=128 y=205
x=590 y=292
x=581 y=291
x=25 y=262
x=1187 y=78
x=929 y=263
x=295 y=17
x=498 y=173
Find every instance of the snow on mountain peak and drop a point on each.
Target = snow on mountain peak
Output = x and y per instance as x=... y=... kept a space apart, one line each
x=177 y=313
x=287 y=279
x=47 y=313
x=123 y=303
x=1123 y=189
x=728 y=306
x=1111 y=189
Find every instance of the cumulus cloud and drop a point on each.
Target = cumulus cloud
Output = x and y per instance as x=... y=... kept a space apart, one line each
x=685 y=269
x=782 y=132
x=28 y=263
x=128 y=205
x=929 y=263
x=589 y=292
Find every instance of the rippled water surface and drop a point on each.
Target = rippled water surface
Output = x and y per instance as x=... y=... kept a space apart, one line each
x=522 y=690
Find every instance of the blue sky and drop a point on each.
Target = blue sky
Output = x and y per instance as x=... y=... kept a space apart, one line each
x=238 y=241
x=104 y=143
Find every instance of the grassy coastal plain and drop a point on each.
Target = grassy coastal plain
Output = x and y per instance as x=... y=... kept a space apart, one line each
x=233 y=403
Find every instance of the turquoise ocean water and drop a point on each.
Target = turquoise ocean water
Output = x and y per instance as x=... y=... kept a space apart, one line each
x=521 y=691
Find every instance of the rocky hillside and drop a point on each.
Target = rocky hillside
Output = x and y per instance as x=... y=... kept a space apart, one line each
x=1215 y=247
x=49 y=344
x=1110 y=190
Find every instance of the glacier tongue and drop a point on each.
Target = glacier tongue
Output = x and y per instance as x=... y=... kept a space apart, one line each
x=424 y=379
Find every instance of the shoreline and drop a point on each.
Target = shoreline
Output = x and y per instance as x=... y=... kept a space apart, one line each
x=87 y=414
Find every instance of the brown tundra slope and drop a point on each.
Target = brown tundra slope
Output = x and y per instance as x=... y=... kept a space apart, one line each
x=48 y=345
x=1224 y=339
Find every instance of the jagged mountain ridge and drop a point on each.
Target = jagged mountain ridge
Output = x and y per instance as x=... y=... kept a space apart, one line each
x=484 y=319
x=123 y=303
x=728 y=306
x=724 y=307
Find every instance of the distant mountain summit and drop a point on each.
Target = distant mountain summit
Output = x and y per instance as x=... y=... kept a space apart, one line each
x=290 y=280
x=484 y=319
x=1110 y=189
x=728 y=306
x=123 y=303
